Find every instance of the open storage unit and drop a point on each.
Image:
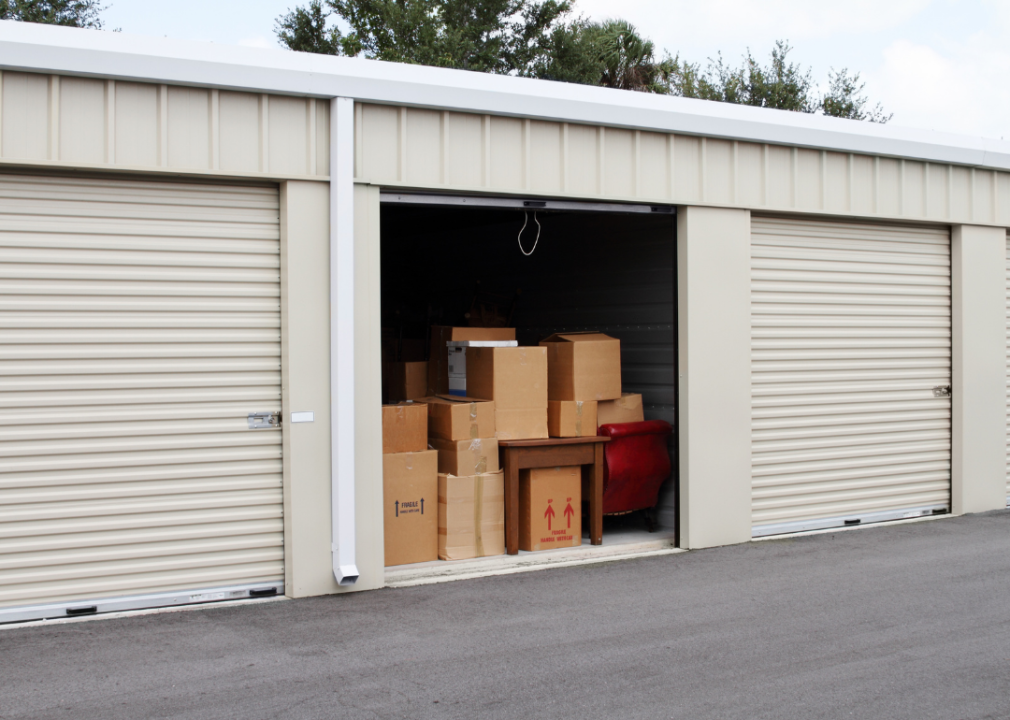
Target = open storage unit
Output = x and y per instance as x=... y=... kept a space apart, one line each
x=546 y=267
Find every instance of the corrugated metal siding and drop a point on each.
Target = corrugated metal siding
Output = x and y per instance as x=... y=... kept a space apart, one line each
x=461 y=152
x=851 y=333
x=107 y=123
x=1008 y=368
x=139 y=325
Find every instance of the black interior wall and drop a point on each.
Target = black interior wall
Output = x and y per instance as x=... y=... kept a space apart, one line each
x=590 y=271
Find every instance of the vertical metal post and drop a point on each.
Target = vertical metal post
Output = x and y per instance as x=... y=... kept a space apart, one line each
x=342 y=406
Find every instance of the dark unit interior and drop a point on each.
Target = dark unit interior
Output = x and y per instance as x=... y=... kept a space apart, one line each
x=607 y=271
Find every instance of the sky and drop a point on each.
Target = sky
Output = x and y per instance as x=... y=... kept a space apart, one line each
x=935 y=64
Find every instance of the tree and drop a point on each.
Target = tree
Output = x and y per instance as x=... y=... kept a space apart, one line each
x=495 y=36
x=780 y=84
x=75 y=13
x=611 y=54
x=627 y=60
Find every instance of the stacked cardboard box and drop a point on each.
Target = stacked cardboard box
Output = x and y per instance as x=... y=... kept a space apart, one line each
x=409 y=485
x=550 y=508
x=471 y=488
x=471 y=516
x=406 y=381
x=438 y=361
x=625 y=409
x=516 y=379
x=583 y=369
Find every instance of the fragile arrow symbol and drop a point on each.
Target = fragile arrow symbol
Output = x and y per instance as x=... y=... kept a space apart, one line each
x=549 y=514
x=397 y=504
x=422 y=506
x=568 y=514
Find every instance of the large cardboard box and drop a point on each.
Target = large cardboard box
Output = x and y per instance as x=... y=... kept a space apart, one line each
x=625 y=409
x=514 y=377
x=459 y=418
x=466 y=457
x=406 y=381
x=583 y=366
x=438 y=360
x=404 y=427
x=410 y=512
x=550 y=508
x=571 y=418
x=471 y=516
x=522 y=424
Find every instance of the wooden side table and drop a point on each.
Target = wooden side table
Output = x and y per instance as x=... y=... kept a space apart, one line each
x=555 y=452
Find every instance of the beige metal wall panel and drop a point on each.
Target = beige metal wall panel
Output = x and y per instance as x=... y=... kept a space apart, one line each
x=189 y=128
x=82 y=120
x=465 y=154
x=423 y=151
x=653 y=156
x=851 y=331
x=139 y=326
x=241 y=146
x=546 y=156
x=1008 y=368
x=25 y=126
x=429 y=149
x=289 y=135
x=93 y=123
x=137 y=125
x=322 y=109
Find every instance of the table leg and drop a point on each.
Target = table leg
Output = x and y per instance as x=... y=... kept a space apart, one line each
x=596 y=498
x=511 y=502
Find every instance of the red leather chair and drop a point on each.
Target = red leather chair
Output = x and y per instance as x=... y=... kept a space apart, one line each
x=636 y=462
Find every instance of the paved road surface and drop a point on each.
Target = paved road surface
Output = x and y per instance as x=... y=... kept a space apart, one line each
x=908 y=621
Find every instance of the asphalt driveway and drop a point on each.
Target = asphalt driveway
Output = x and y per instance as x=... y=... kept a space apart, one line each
x=906 y=621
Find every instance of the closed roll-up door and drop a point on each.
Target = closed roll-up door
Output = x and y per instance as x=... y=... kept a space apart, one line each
x=139 y=327
x=851 y=341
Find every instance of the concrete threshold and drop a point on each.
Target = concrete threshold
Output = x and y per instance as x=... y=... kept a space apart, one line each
x=616 y=546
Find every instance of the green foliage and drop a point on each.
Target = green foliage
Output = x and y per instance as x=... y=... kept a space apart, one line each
x=540 y=38
x=495 y=36
x=780 y=84
x=627 y=60
x=845 y=99
x=75 y=13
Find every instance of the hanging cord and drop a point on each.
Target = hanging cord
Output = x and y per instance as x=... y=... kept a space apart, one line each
x=526 y=219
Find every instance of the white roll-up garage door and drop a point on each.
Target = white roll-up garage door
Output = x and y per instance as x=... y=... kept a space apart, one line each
x=139 y=328
x=851 y=371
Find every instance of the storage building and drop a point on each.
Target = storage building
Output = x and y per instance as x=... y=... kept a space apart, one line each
x=200 y=246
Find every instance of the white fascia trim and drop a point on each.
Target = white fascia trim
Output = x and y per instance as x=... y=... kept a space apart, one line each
x=72 y=51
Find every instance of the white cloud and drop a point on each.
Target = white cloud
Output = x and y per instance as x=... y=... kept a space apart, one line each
x=956 y=87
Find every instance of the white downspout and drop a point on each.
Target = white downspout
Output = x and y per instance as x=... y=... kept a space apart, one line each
x=345 y=568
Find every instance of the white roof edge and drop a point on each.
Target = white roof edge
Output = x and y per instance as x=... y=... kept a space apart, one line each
x=72 y=51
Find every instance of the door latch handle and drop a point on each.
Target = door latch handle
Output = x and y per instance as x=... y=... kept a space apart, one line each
x=264 y=420
x=941 y=391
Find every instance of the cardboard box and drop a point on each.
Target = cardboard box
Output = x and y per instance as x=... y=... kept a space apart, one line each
x=583 y=366
x=409 y=498
x=627 y=408
x=523 y=424
x=406 y=381
x=459 y=418
x=438 y=360
x=550 y=508
x=514 y=377
x=571 y=418
x=466 y=457
x=404 y=427
x=471 y=516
